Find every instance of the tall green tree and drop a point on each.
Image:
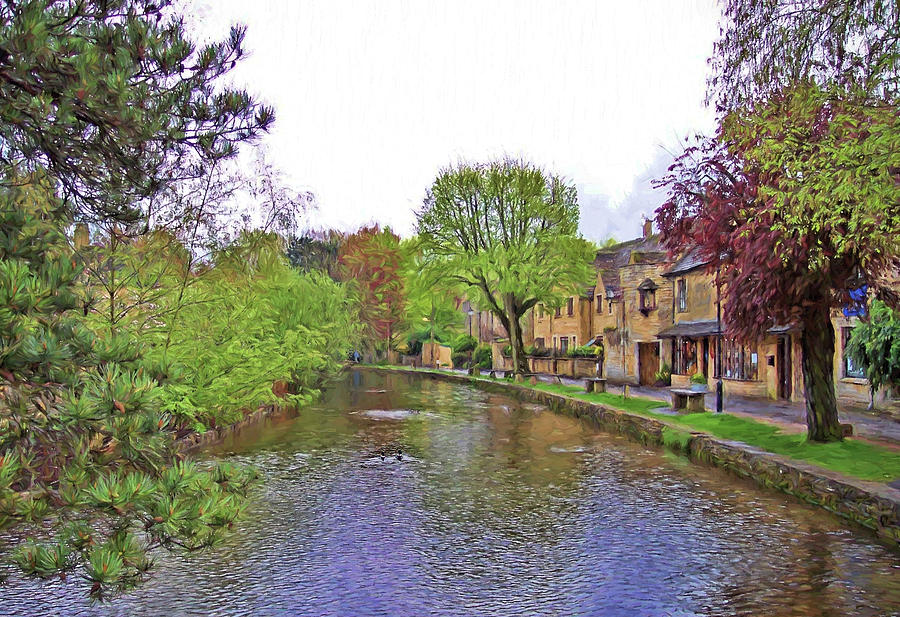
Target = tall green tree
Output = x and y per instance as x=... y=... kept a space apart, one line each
x=88 y=469
x=115 y=100
x=315 y=251
x=506 y=231
x=432 y=312
x=249 y=321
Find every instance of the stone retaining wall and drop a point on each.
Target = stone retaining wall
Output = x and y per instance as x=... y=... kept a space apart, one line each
x=870 y=504
x=197 y=441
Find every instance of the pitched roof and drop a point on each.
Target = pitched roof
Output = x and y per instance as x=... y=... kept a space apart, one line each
x=689 y=261
x=638 y=251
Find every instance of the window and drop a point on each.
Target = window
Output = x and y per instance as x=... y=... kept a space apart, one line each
x=570 y=306
x=685 y=356
x=541 y=311
x=681 y=295
x=558 y=311
x=599 y=304
x=739 y=361
x=610 y=307
x=563 y=344
x=850 y=367
x=539 y=342
x=647 y=296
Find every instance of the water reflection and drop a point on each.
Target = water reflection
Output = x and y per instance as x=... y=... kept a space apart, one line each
x=497 y=508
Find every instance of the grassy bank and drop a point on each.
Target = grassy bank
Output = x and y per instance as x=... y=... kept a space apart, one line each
x=850 y=457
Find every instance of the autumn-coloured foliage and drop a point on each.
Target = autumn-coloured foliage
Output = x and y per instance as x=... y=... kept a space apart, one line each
x=371 y=258
x=796 y=202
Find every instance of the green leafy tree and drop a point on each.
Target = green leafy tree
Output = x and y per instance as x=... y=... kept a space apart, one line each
x=506 y=232
x=432 y=305
x=88 y=471
x=114 y=100
x=875 y=345
x=250 y=321
x=315 y=251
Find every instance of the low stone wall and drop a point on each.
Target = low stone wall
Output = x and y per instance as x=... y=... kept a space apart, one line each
x=197 y=441
x=541 y=364
x=585 y=367
x=564 y=366
x=872 y=505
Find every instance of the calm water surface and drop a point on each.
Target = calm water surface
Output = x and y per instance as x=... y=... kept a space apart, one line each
x=496 y=508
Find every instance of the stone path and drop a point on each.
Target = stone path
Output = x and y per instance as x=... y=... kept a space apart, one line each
x=792 y=416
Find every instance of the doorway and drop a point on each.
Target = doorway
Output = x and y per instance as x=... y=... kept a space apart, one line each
x=648 y=363
x=783 y=362
x=704 y=358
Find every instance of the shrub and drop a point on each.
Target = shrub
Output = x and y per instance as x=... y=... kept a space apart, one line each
x=482 y=356
x=699 y=378
x=464 y=343
x=539 y=351
x=663 y=376
x=506 y=351
x=414 y=346
x=460 y=359
x=585 y=351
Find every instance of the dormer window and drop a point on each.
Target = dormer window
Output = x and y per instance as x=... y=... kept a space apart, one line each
x=647 y=296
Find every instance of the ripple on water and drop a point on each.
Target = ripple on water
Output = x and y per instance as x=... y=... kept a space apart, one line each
x=389 y=414
x=491 y=518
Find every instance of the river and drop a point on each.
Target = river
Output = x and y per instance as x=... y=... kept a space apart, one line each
x=493 y=507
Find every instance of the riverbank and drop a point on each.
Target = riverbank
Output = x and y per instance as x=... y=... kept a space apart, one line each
x=197 y=441
x=864 y=500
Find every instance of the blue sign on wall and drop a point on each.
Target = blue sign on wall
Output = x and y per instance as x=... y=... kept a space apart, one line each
x=857 y=305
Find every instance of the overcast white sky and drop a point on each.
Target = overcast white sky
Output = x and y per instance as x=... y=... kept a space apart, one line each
x=373 y=98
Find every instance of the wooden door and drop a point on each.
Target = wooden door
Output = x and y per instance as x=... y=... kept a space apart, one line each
x=783 y=361
x=648 y=363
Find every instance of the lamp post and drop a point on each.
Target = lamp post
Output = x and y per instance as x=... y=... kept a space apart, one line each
x=719 y=385
x=470 y=313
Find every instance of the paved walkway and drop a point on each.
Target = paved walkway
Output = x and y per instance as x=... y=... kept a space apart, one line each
x=793 y=415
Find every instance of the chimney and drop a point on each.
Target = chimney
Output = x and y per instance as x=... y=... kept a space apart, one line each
x=648 y=227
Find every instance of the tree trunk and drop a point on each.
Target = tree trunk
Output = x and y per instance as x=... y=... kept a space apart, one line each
x=514 y=329
x=817 y=342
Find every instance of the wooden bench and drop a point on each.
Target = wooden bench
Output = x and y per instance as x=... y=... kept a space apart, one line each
x=595 y=384
x=691 y=400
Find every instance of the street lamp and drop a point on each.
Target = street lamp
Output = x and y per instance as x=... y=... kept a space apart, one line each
x=720 y=403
